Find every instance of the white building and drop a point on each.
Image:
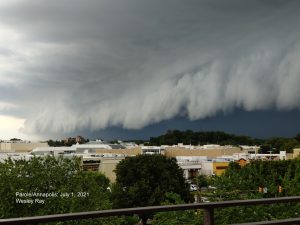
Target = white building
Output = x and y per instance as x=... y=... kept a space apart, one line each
x=271 y=156
x=152 y=150
x=55 y=151
x=191 y=165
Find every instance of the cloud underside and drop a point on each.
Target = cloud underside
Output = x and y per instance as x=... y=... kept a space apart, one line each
x=69 y=65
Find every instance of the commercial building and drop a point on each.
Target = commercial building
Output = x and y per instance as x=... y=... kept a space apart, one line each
x=107 y=167
x=150 y=150
x=191 y=165
x=128 y=151
x=54 y=151
x=281 y=156
x=210 y=151
x=214 y=167
x=296 y=152
x=20 y=146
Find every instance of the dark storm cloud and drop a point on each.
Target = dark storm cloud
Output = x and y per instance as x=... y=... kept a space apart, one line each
x=130 y=63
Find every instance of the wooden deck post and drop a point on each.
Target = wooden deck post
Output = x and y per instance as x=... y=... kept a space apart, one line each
x=209 y=216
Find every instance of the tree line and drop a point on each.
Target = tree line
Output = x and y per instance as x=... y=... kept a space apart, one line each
x=189 y=137
x=275 y=144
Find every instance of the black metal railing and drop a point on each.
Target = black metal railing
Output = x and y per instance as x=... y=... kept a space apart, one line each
x=207 y=207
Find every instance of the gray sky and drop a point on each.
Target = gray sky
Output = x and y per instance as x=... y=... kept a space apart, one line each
x=70 y=65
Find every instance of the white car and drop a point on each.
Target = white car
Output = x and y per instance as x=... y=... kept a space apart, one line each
x=204 y=199
x=193 y=187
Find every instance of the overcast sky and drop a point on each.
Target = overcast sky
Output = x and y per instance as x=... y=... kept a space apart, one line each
x=97 y=66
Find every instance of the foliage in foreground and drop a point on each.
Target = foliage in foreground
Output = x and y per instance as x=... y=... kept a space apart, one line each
x=243 y=183
x=71 y=189
x=267 y=174
x=46 y=175
x=187 y=217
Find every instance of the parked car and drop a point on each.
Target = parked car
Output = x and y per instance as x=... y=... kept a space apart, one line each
x=204 y=199
x=212 y=187
x=188 y=181
x=193 y=187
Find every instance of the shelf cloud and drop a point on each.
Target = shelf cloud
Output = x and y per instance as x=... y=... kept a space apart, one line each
x=68 y=64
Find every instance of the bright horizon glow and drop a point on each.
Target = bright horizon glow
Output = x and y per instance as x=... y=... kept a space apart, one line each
x=10 y=128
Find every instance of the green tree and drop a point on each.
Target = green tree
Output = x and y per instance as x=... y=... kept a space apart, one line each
x=50 y=175
x=281 y=144
x=243 y=182
x=290 y=145
x=72 y=189
x=143 y=181
x=297 y=137
x=201 y=181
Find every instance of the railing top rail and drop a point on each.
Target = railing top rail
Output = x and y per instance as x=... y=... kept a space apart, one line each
x=274 y=222
x=145 y=210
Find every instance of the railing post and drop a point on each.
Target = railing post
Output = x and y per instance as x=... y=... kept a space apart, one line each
x=144 y=220
x=209 y=216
